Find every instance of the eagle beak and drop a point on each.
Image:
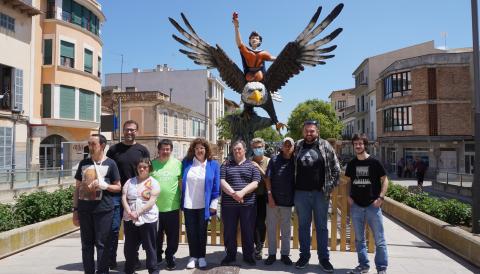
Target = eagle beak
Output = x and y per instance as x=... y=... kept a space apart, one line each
x=256 y=96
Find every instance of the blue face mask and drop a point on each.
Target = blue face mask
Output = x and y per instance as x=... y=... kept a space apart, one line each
x=258 y=151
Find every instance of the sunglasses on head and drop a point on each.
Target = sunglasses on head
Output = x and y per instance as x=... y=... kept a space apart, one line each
x=310 y=122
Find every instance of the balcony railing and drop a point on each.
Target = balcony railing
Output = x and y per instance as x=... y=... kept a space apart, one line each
x=25 y=178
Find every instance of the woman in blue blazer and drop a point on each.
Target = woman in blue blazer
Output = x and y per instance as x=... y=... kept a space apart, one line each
x=200 y=193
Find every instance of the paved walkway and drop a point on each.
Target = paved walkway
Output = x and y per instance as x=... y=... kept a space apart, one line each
x=408 y=253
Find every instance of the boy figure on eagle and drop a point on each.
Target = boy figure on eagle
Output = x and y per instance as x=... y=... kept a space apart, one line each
x=253 y=59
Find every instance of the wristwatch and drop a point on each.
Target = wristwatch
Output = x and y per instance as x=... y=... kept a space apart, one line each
x=269 y=192
x=74 y=209
x=381 y=198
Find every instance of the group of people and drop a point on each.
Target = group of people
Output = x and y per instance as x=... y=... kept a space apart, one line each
x=256 y=191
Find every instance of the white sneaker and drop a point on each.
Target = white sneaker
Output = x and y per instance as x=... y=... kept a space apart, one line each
x=191 y=263
x=202 y=263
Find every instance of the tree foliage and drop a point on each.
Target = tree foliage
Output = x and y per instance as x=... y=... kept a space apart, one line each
x=269 y=135
x=321 y=111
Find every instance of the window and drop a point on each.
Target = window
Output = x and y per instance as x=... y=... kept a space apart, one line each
x=67 y=102
x=67 y=54
x=50 y=9
x=185 y=127
x=99 y=107
x=86 y=104
x=396 y=85
x=165 y=123
x=47 y=51
x=99 y=67
x=341 y=104
x=5 y=147
x=196 y=131
x=77 y=14
x=175 y=125
x=397 y=119
x=7 y=22
x=88 y=61
x=47 y=101
x=17 y=103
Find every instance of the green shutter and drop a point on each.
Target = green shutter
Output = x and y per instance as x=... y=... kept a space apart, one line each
x=67 y=5
x=99 y=107
x=67 y=102
x=47 y=101
x=77 y=14
x=88 y=61
x=86 y=104
x=67 y=49
x=47 y=52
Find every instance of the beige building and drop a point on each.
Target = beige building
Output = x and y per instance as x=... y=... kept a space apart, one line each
x=67 y=82
x=17 y=53
x=158 y=118
x=425 y=109
x=199 y=90
x=366 y=75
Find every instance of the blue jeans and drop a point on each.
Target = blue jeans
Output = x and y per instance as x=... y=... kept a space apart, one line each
x=305 y=203
x=373 y=216
x=117 y=219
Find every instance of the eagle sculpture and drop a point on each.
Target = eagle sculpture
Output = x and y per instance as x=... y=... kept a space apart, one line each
x=292 y=59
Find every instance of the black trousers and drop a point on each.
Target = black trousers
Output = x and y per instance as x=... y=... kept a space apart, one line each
x=146 y=235
x=196 y=226
x=168 y=224
x=95 y=232
x=260 y=226
x=230 y=217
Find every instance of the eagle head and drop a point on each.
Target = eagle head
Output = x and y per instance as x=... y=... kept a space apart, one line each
x=254 y=93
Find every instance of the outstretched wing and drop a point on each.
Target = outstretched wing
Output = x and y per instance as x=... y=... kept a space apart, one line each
x=301 y=52
x=206 y=55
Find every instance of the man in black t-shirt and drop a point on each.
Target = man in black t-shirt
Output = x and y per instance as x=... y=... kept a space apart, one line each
x=126 y=155
x=97 y=180
x=316 y=174
x=368 y=186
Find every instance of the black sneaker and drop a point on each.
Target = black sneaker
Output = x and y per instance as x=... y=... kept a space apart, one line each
x=286 y=260
x=302 y=262
x=250 y=261
x=227 y=260
x=270 y=260
x=113 y=265
x=326 y=265
x=171 y=263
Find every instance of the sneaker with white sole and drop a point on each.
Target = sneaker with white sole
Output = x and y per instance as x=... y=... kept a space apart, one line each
x=191 y=263
x=202 y=263
x=360 y=269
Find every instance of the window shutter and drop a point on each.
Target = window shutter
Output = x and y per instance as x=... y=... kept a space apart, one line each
x=88 y=61
x=67 y=49
x=99 y=107
x=67 y=102
x=77 y=14
x=18 y=91
x=47 y=52
x=86 y=105
x=47 y=101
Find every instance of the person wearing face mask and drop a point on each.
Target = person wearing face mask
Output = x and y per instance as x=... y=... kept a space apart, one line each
x=261 y=162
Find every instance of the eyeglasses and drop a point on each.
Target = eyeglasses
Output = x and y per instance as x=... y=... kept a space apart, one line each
x=129 y=129
x=310 y=122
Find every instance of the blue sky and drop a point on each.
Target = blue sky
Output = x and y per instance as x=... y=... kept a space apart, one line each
x=140 y=30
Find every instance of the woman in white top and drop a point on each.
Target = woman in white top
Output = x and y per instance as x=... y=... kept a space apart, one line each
x=200 y=193
x=140 y=217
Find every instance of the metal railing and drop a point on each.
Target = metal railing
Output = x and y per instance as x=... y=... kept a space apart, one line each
x=463 y=180
x=27 y=178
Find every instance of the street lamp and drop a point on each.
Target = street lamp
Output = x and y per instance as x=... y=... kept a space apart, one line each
x=15 y=117
x=476 y=86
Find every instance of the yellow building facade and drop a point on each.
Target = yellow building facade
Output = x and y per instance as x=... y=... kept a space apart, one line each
x=68 y=82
